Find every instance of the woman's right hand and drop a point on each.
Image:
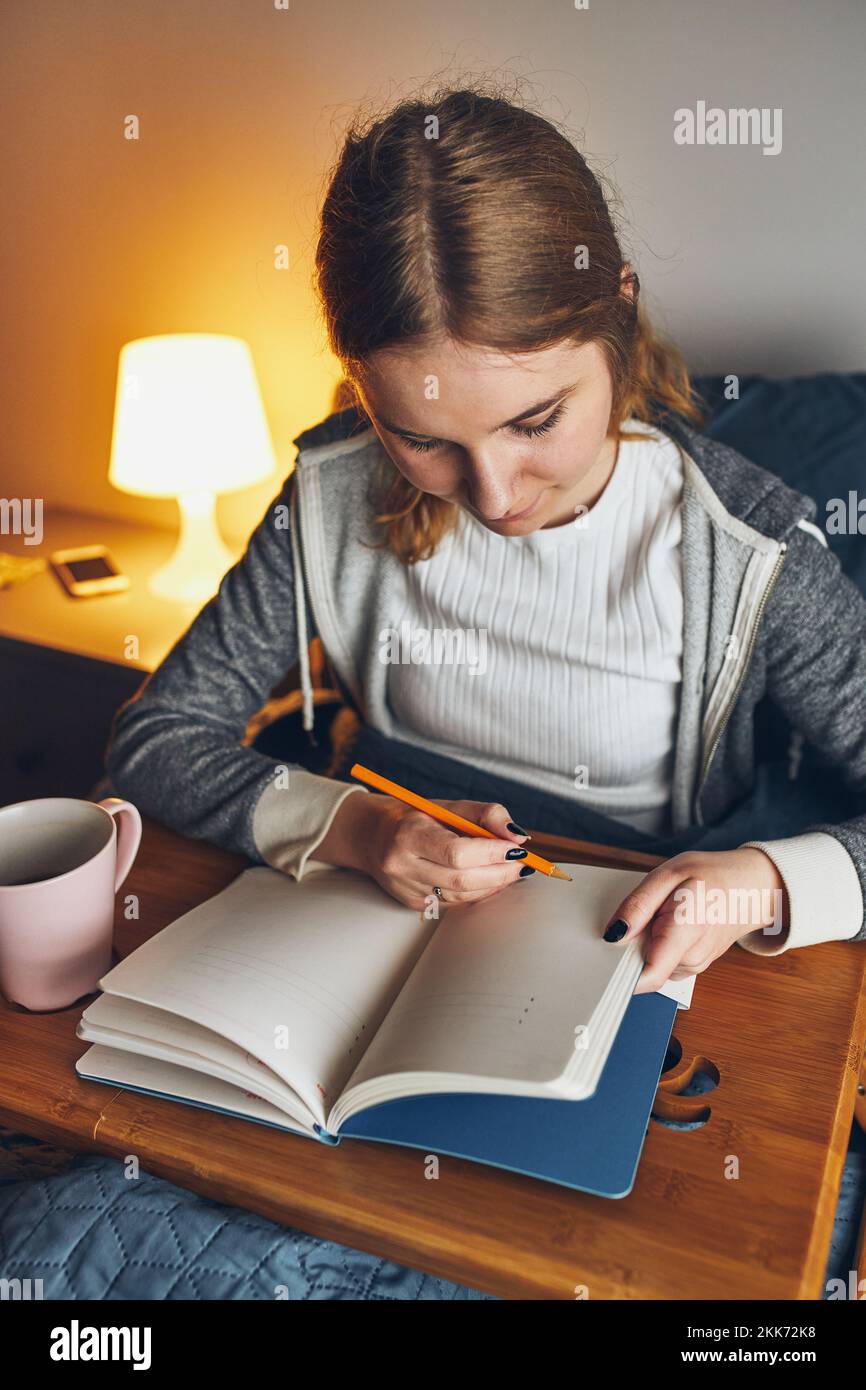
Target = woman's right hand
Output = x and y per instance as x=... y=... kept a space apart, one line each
x=409 y=853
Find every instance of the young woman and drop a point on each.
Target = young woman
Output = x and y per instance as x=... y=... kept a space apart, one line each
x=549 y=599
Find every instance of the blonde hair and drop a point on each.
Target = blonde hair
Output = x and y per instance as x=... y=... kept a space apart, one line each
x=474 y=233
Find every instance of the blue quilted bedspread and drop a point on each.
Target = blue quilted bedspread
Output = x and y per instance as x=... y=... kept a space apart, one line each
x=92 y=1233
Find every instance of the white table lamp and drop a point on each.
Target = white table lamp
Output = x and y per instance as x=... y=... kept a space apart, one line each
x=189 y=423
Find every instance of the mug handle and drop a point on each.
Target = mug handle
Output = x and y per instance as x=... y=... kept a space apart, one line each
x=128 y=834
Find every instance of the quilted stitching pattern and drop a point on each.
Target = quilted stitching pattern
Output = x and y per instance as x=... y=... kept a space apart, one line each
x=91 y=1233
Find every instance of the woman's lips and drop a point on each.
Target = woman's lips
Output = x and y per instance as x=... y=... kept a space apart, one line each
x=518 y=516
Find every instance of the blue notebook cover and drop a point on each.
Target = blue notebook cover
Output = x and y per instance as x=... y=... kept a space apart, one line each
x=593 y=1145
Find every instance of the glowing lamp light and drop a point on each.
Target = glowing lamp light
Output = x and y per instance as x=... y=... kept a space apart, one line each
x=189 y=423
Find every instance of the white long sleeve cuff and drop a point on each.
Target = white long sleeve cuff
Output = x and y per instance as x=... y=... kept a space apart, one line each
x=825 y=901
x=290 y=821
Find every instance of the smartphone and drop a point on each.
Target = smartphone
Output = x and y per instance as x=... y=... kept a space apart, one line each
x=88 y=570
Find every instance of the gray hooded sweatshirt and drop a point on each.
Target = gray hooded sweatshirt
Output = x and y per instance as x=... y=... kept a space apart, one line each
x=766 y=607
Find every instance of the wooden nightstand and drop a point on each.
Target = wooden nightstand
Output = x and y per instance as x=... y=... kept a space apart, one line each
x=67 y=663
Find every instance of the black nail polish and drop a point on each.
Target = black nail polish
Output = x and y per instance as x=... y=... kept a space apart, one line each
x=616 y=931
x=527 y=869
x=516 y=853
x=516 y=829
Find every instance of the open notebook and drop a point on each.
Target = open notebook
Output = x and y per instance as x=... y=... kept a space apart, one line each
x=306 y=1006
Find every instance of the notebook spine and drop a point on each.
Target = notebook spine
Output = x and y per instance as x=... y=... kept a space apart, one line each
x=325 y=1137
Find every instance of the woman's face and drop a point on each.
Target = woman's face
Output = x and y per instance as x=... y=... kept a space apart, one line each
x=497 y=436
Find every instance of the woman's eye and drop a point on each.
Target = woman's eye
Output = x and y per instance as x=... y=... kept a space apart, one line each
x=530 y=431
x=423 y=446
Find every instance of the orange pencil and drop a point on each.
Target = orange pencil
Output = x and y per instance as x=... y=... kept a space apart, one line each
x=441 y=813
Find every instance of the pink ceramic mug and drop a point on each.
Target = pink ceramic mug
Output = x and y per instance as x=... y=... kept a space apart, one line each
x=61 y=863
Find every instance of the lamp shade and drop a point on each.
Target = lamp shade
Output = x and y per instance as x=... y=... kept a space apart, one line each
x=188 y=417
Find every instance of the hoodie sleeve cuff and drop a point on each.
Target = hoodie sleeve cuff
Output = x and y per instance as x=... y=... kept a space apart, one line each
x=825 y=901
x=291 y=821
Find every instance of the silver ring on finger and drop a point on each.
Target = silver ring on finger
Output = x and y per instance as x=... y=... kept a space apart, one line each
x=438 y=892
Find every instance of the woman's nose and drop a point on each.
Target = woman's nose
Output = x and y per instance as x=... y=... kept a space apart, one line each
x=489 y=494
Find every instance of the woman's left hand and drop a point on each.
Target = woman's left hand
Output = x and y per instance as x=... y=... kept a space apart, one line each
x=696 y=905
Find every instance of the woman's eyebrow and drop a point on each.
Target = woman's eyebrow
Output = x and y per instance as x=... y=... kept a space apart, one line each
x=515 y=419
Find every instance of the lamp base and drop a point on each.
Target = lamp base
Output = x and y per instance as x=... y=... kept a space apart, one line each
x=200 y=558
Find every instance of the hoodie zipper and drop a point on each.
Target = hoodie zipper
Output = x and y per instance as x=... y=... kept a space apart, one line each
x=711 y=751
x=305 y=655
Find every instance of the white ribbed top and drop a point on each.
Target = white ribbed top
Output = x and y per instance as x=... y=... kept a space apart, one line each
x=577 y=635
